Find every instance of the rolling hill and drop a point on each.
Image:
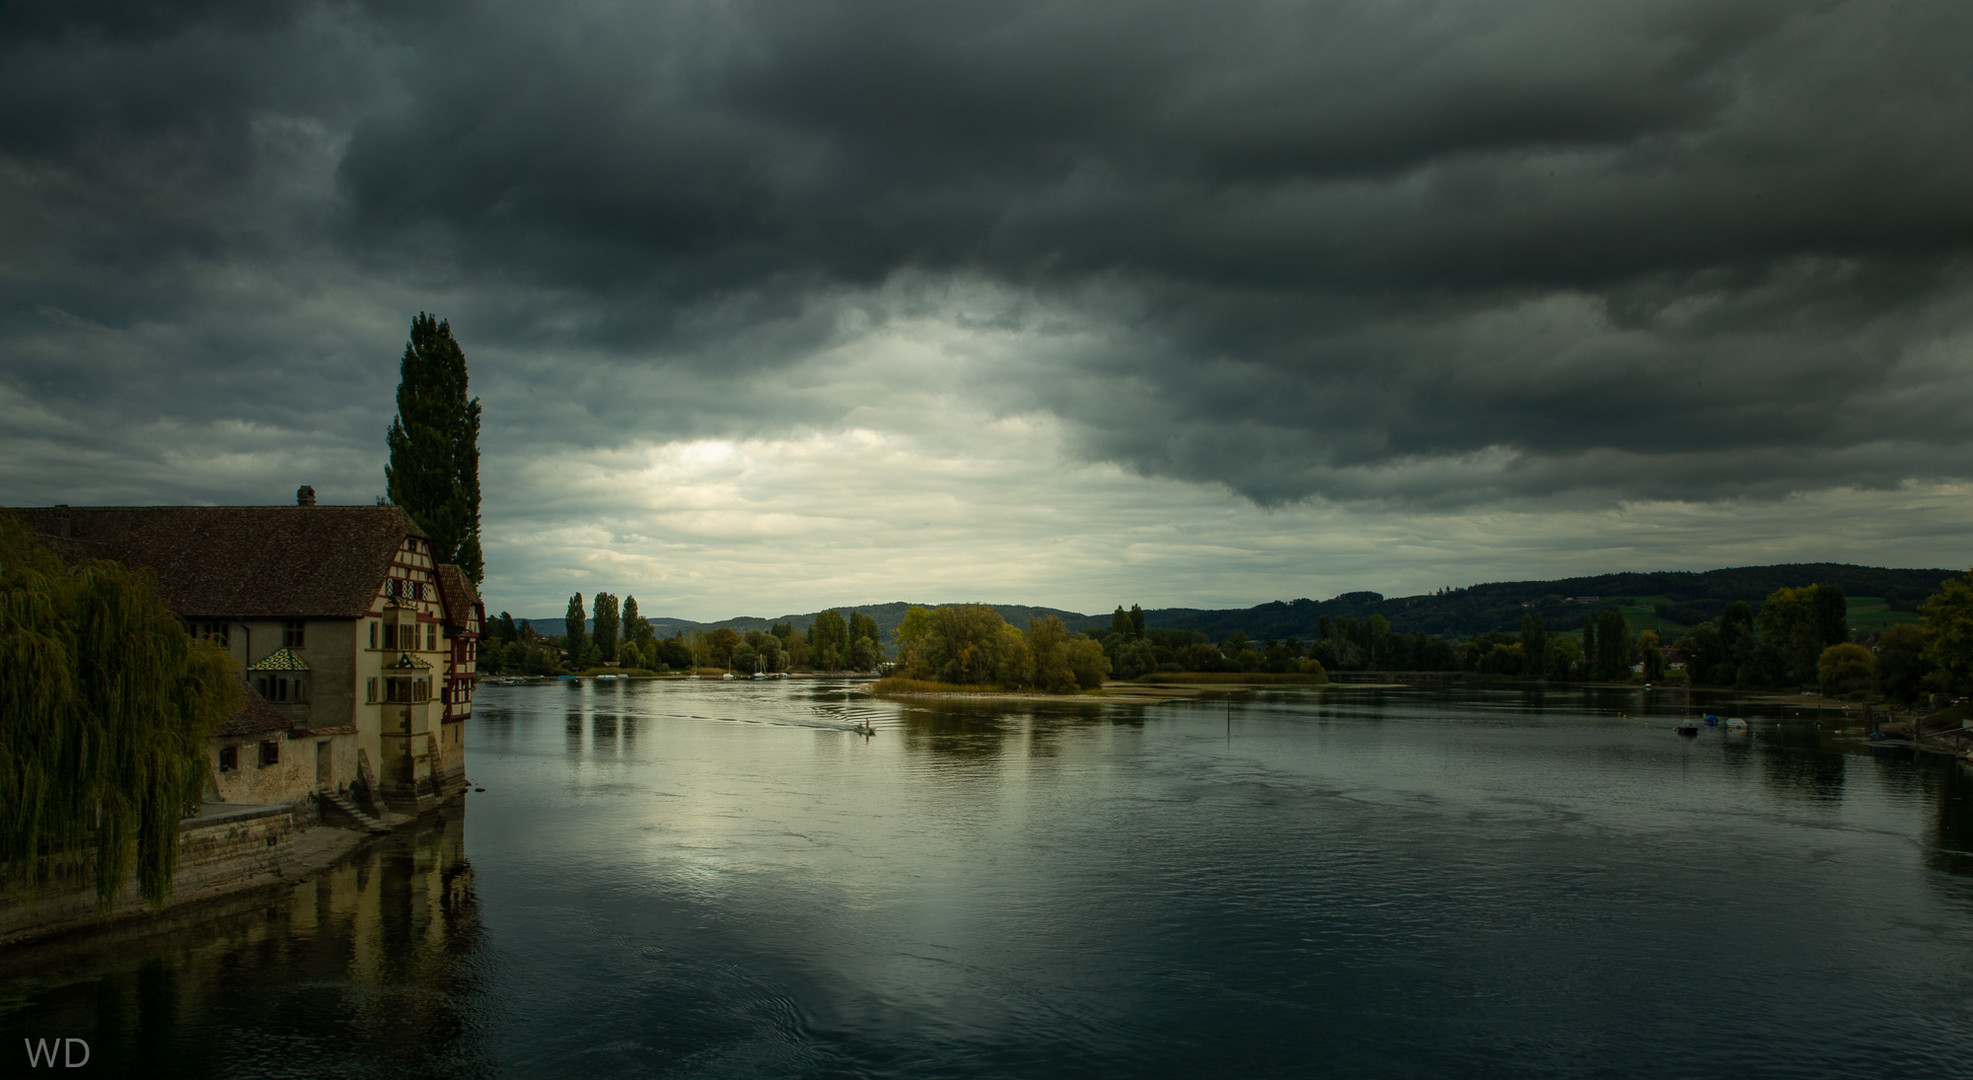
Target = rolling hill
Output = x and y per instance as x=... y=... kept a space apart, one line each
x=1668 y=601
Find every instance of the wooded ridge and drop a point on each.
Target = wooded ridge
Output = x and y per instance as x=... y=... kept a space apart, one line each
x=1665 y=600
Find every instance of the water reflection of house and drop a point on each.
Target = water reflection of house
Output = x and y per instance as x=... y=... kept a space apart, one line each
x=358 y=648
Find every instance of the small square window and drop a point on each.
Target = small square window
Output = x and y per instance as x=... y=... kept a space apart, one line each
x=292 y=634
x=229 y=758
x=217 y=631
x=270 y=752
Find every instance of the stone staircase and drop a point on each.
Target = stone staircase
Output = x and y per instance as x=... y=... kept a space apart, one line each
x=341 y=804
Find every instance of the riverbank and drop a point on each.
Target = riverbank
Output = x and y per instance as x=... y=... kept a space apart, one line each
x=1168 y=687
x=223 y=854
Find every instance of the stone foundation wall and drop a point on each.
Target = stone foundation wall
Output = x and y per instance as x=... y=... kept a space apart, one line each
x=241 y=848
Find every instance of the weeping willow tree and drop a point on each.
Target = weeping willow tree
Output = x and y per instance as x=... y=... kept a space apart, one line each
x=106 y=705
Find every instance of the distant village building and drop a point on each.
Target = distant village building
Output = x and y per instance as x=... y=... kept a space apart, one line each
x=358 y=649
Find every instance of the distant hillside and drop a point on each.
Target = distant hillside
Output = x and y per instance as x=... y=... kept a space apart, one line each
x=1670 y=601
x=887 y=615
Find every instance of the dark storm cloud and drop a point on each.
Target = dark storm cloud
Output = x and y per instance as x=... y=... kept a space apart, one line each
x=1409 y=251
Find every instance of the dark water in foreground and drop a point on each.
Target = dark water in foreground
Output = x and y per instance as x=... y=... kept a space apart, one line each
x=720 y=880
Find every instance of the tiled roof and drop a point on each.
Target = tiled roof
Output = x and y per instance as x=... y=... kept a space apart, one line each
x=458 y=593
x=408 y=662
x=254 y=716
x=241 y=561
x=280 y=660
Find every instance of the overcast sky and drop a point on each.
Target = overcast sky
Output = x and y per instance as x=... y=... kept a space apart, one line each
x=785 y=303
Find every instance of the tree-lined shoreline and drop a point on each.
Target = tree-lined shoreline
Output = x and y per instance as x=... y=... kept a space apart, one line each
x=1796 y=636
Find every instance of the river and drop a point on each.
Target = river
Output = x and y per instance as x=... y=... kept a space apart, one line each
x=720 y=879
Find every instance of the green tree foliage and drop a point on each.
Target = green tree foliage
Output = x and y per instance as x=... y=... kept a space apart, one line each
x=1832 y=613
x=963 y=644
x=866 y=647
x=1136 y=621
x=505 y=630
x=1492 y=654
x=1087 y=665
x=916 y=623
x=1737 y=644
x=1795 y=626
x=1130 y=659
x=828 y=641
x=1846 y=669
x=106 y=705
x=608 y=624
x=1722 y=653
x=675 y=652
x=1701 y=653
x=1649 y=649
x=575 y=625
x=719 y=645
x=769 y=652
x=635 y=626
x=1534 y=646
x=1564 y=658
x=434 y=468
x=1347 y=644
x=1901 y=662
x=1948 y=624
x=1614 y=645
x=1060 y=663
x=794 y=643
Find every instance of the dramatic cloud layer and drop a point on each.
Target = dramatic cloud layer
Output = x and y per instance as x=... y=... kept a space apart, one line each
x=1493 y=276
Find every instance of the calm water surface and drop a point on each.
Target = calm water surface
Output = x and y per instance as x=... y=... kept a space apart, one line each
x=720 y=879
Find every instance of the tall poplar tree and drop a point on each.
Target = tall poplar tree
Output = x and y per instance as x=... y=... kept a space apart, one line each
x=635 y=627
x=607 y=624
x=574 y=629
x=434 y=469
x=1534 y=646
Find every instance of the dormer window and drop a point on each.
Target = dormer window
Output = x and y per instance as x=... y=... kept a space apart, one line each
x=407 y=690
x=401 y=630
x=281 y=677
x=217 y=631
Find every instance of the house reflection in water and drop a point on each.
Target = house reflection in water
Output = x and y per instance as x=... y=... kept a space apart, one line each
x=367 y=968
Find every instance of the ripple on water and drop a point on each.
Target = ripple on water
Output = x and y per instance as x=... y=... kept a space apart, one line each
x=711 y=880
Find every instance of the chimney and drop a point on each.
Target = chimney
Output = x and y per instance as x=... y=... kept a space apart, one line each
x=304 y=496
